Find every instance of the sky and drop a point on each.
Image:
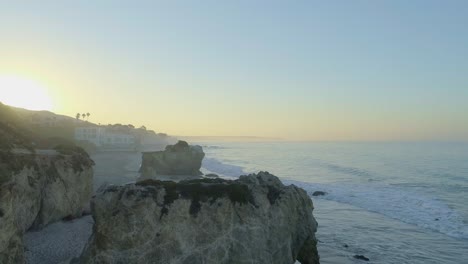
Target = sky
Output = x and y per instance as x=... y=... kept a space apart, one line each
x=296 y=70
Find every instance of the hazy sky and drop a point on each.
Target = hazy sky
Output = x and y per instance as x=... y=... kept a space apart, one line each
x=328 y=70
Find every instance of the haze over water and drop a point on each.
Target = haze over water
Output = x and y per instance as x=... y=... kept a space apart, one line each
x=307 y=70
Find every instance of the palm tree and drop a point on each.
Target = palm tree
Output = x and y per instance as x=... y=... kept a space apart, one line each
x=78 y=116
x=87 y=115
x=83 y=115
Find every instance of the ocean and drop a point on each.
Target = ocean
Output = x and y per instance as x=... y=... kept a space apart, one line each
x=403 y=202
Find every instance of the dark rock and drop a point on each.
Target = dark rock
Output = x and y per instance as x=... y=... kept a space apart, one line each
x=361 y=257
x=211 y=175
x=319 y=193
x=273 y=194
x=68 y=218
x=179 y=146
x=200 y=190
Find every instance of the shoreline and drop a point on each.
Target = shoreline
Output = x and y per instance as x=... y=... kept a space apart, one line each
x=362 y=233
x=61 y=241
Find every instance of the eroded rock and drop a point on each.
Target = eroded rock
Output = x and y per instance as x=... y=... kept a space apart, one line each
x=178 y=159
x=255 y=219
x=319 y=193
x=361 y=257
x=37 y=189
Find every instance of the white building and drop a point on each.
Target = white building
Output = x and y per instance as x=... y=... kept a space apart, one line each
x=91 y=134
x=105 y=138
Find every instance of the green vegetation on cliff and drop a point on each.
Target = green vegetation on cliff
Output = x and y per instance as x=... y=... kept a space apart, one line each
x=79 y=156
x=201 y=190
x=11 y=164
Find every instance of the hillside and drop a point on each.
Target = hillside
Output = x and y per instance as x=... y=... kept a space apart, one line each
x=13 y=131
x=45 y=129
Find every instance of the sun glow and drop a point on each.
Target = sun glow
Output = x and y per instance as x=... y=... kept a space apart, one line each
x=24 y=93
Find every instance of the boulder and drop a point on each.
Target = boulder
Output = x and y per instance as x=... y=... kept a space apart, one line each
x=211 y=175
x=37 y=189
x=255 y=219
x=319 y=193
x=361 y=257
x=178 y=159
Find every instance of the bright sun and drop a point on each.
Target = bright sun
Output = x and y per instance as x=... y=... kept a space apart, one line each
x=24 y=93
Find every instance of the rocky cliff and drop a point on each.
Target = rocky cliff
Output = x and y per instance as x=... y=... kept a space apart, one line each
x=37 y=188
x=255 y=219
x=178 y=159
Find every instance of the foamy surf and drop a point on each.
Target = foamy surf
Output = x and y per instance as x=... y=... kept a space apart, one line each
x=216 y=166
x=409 y=207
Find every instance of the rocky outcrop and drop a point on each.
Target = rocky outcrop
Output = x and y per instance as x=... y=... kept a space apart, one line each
x=319 y=193
x=38 y=188
x=361 y=257
x=255 y=219
x=178 y=159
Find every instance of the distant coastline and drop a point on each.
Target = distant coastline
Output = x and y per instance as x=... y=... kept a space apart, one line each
x=228 y=138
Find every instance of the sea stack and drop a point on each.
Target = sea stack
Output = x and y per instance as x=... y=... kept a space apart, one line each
x=255 y=219
x=178 y=159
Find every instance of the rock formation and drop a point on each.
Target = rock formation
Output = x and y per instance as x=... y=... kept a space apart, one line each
x=38 y=188
x=319 y=193
x=255 y=219
x=178 y=159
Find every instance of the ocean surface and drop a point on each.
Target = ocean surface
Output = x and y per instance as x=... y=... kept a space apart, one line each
x=391 y=202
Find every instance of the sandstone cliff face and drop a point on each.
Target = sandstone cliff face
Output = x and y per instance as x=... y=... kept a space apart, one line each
x=255 y=219
x=11 y=245
x=178 y=159
x=37 y=189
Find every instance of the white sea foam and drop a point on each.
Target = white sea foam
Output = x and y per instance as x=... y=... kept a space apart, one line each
x=409 y=207
x=218 y=167
x=213 y=147
x=397 y=203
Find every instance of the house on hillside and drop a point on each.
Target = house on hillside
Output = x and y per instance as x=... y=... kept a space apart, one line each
x=118 y=139
x=90 y=134
x=106 y=138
